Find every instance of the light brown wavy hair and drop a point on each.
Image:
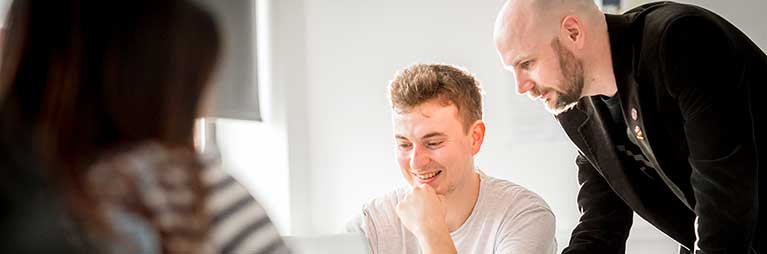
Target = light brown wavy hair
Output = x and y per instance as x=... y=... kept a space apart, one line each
x=449 y=84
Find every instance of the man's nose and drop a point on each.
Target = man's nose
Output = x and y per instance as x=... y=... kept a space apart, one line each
x=418 y=158
x=524 y=84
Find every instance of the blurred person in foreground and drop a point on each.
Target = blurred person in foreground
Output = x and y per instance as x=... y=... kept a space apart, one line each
x=97 y=106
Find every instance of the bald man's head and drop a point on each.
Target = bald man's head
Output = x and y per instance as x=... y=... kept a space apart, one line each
x=528 y=18
x=545 y=42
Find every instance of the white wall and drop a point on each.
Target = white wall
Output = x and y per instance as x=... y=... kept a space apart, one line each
x=271 y=156
x=4 y=4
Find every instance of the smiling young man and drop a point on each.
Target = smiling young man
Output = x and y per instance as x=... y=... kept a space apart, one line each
x=450 y=205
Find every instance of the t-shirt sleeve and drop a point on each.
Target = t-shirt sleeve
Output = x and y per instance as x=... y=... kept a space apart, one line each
x=363 y=225
x=355 y=225
x=530 y=230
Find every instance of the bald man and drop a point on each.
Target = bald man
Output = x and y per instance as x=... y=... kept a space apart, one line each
x=663 y=105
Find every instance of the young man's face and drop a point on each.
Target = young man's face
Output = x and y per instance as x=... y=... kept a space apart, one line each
x=432 y=147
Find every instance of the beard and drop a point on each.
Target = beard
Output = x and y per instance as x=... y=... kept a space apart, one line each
x=572 y=78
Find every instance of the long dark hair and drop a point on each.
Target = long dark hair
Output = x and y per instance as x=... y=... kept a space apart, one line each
x=79 y=78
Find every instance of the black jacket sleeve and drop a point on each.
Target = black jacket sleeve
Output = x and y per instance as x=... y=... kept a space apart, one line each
x=605 y=218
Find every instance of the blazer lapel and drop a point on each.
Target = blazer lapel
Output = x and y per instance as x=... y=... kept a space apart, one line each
x=587 y=128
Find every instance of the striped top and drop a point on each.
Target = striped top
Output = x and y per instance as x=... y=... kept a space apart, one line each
x=238 y=223
x=153 y=182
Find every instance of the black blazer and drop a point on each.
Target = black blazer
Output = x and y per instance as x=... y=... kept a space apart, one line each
x=690 y=85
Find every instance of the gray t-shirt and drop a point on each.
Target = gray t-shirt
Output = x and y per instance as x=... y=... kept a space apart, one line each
x=507 y=218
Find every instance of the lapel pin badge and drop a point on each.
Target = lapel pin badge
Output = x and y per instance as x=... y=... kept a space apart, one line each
x=638 y=133
x=634 y=114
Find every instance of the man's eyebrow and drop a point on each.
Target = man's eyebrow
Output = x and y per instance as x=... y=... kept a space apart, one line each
x=430 y=135
x=433 y=134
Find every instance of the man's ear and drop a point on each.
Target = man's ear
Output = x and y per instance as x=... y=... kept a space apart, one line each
x=573 y=31
x=477 y=132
